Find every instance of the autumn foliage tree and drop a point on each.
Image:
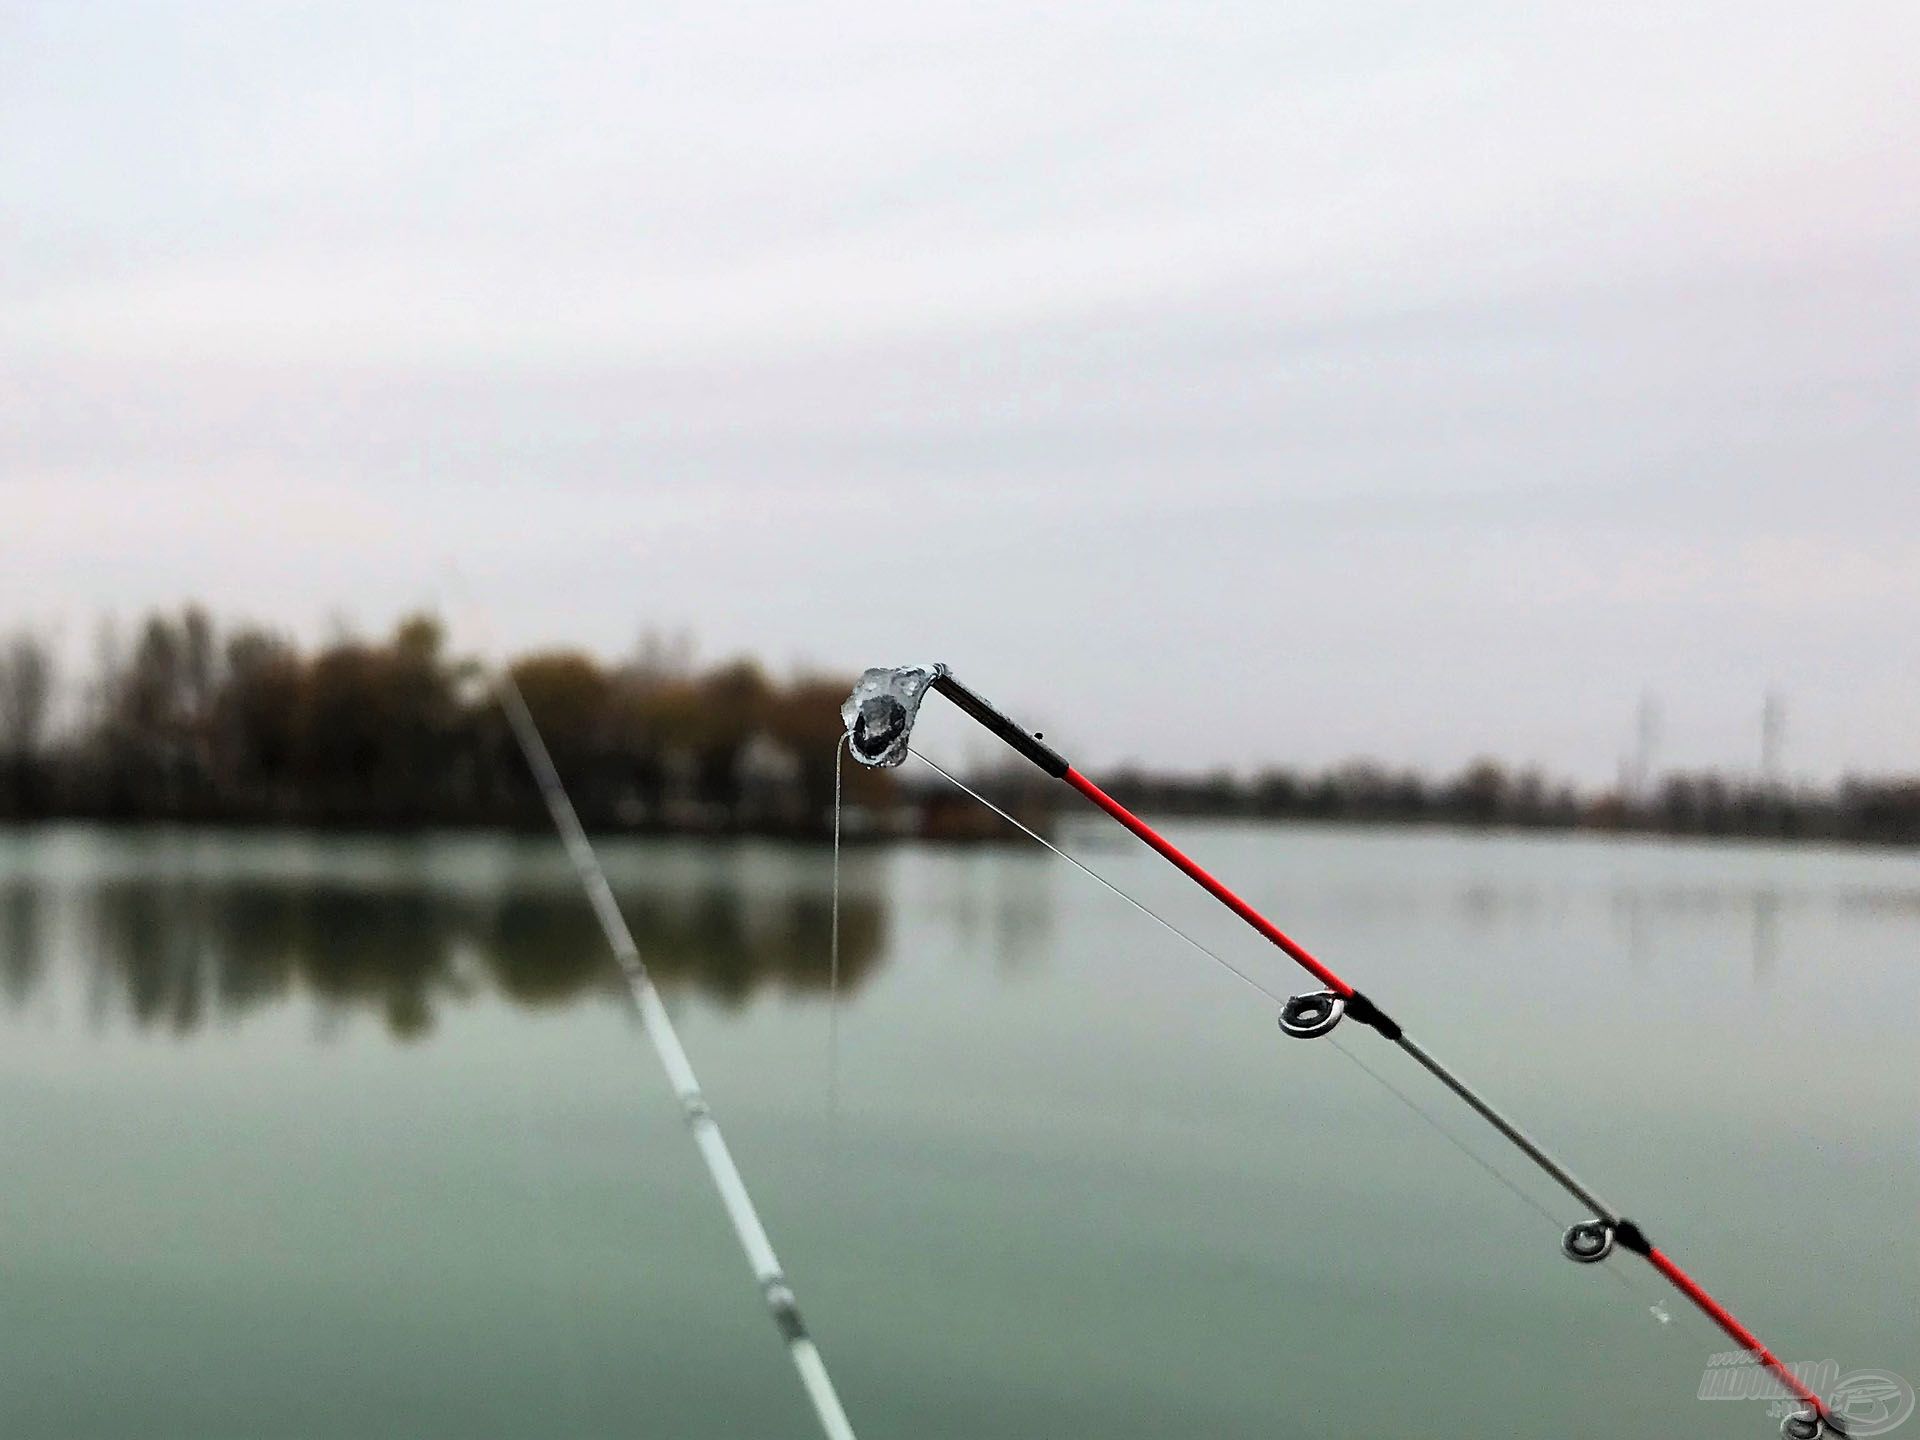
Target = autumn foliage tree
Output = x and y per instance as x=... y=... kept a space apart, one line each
x=398 y=731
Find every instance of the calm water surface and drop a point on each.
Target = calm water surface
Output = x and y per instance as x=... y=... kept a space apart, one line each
x=342 y=1138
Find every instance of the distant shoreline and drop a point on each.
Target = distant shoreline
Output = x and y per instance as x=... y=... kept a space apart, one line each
x=189 y=721
x=870 y=837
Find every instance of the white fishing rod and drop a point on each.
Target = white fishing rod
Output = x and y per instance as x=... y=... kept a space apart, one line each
x=658 y=1025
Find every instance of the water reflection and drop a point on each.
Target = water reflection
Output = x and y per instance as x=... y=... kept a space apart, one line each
x=1640 y=914
x=174 y=952
x=1766 y=935
x=176 y=933
x=22 y=953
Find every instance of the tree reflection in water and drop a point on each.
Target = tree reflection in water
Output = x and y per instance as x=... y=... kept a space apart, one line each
x=175 y=951
x=23 y=957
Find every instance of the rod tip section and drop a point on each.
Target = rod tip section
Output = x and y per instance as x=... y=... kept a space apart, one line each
x=976 y=708
x=880 y=712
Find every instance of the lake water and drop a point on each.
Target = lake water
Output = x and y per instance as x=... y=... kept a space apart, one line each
x=343 y=1137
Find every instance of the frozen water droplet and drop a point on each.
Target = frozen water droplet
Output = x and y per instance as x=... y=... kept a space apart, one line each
x=879 y=714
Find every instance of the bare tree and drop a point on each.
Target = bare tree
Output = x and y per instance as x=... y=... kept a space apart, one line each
x=26 y=694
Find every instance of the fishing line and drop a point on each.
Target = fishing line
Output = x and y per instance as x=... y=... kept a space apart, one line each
x=1452 y=1139
x=1447 y=1133
x=1437 y=1125
x=1234 y=970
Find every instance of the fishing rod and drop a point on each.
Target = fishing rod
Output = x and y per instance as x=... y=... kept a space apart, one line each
x=879 y=717
x=659 y=1029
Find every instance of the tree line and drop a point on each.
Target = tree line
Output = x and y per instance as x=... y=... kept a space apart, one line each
x=190 y=721
x=1486 y=793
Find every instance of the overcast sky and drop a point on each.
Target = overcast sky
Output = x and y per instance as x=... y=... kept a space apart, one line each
x=1271 y=382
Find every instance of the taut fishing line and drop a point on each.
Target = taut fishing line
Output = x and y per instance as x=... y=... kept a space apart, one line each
x=1438 y=1126
x=879 y=717
x=1500 y=1177
x=1227 y=965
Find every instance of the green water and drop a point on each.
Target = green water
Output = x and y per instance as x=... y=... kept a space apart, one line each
x=343 y=1138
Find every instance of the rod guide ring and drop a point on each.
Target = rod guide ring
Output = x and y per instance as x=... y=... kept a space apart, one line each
x=1588 y=1242
x=1307 y=1016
